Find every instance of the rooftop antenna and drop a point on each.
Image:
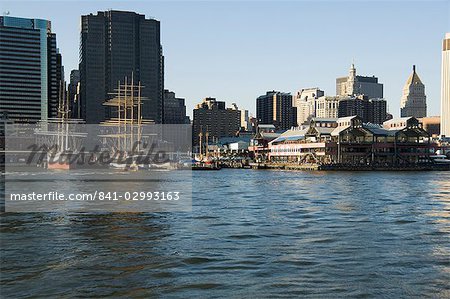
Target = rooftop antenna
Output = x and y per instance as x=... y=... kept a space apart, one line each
x=6 y=13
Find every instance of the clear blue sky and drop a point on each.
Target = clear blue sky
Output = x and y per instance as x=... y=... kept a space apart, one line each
x=237 y=50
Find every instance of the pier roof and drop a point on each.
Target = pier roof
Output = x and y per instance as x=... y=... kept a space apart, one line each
x=376 y=129
x=338 y=130
x=269 y=136
x=320 y=131
x=292 y=135
x=397 y=123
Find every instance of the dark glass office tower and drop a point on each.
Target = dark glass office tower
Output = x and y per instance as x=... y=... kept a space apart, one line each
x=114 y=45
x=56 y=76
x=73 y=93
x=174 y=109
x=30 y=69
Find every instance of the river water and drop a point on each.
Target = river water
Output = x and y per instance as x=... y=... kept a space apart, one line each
x=250 y=234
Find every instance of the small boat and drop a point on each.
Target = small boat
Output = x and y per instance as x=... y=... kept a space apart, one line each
x=118 y=165
x=205 y=166
x=440 y=159
x=124 y=166
x=166 y=166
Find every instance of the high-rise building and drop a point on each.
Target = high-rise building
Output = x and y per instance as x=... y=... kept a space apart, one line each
x=73 y=93
x=354 y=106
x=56 y=77
x=445 y=87
x=328 y=106
x=378 y=111
x=212 y=121
x=276 y=108
x=413 y=101
x=369 y=110
x=245 y=121
x=174 y=109
x=30 y=69
x=305 y=102
x=431 y=124
x=115 y=45
x=359 y=85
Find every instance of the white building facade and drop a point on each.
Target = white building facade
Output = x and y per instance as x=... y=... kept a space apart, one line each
x=305 y=101
x=328 y=106
x=445 y=87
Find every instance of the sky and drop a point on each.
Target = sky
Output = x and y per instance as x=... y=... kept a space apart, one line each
x=237 y=50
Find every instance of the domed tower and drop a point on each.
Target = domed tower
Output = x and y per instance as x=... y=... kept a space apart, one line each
x=414 y=100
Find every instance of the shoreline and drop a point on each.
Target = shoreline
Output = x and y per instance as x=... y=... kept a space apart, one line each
x=317 y=167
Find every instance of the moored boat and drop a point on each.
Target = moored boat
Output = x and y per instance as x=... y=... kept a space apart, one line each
x=440 y=159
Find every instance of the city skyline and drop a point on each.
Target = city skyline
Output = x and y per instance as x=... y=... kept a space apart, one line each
x=197 y=66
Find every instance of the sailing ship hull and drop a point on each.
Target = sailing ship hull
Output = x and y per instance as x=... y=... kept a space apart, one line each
x=60 y=166
x=60 y=161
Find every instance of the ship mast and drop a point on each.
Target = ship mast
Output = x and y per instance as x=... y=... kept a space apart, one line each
x=63 y=119
x=127 y=101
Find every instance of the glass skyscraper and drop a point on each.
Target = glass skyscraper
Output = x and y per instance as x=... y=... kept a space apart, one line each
x=115 y=45
x=30 y=69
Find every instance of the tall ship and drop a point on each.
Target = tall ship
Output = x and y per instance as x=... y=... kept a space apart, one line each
x=62 y=137
x=124 y=141
x=123 y=134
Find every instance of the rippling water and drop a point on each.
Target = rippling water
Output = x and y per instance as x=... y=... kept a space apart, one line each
x=250 y=234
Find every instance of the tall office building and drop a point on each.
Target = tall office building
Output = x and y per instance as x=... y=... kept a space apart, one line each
x=30 y=69
x=378 y=111
x=73 y=93
x=213 y=119
x=413 y=101
x=174 y=109
x=370 y=110
x=305 y=102
x=115 y=45
x=56 y=77
x=246 y=125
x=445 y=87
x=359 y=85
x=276 y=108
x=354 y=106
x=328 y=106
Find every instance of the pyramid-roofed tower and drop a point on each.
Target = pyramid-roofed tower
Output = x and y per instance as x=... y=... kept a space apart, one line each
x=414 y=100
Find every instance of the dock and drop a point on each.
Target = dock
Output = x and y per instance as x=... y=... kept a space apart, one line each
x=344 y=167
